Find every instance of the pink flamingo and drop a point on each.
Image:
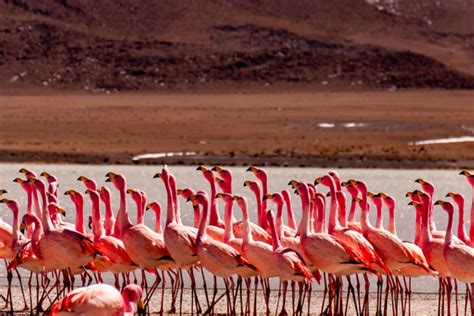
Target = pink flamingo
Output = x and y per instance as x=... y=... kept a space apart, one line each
x=262 y=176
x=289 y=210
x=214 y=218
x=156 y=207
x=257 y=231
x=351 y=222
x=459 y=258
x=100 y=299
x=185 y=193
x=283 y=230
x=78 y=199
x=90 y=184
x=459 y=200
x=288 y=261
x=470 y=179
x=377 y=200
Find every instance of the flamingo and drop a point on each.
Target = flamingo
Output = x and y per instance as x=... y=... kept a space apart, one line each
x=53 y=183
x=262 y=176
x=226 y=176
x=470 y=179
x=459 y=200
x=78 y=199
x=99 y=299
x=156 y=207
x=353 y=192
x=214 y=218
x=258 y=232
x=459 y=258
x=109 y=222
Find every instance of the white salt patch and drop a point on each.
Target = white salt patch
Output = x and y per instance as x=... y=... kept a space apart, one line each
x=351 y=125
x=327 y=125
x=461 y=139
x=162 y=155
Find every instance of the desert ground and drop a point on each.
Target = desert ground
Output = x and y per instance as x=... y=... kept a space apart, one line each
x=346 y=129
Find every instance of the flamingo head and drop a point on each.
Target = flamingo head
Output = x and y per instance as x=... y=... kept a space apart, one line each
x=25 y=184
x=185 y=193
x=38 y=184
x=75 y=196
x=426 y=186
x=241 y=201
x=117 y=180
x=89 y=183
x=457 y=198
x=225 y=174
x=418 y=206
x=375 y=198
x=350 y=188
x=54 y=209
x=94 y=195
x=226 y=197
x=207 y=173
x=360 y=185
x=324 y=180
x=135 y=194
x=469 y=176
x=199 y=198
x=154 y=206
x=252 y=186
x=301 y=189
x=276 y=198
x=104 y=193
x=446 y=205
x=28 y=173
x=11 y=204
x=49 y=177
x=132 y=293
x=51 y=198
x=387 y=199
x=260 y=173
x=221 y=183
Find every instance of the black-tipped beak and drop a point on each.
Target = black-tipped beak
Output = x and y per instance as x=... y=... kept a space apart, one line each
x=157 y=175
x=199 y=168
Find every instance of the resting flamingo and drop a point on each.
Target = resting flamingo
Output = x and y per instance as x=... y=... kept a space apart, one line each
x=100 y=300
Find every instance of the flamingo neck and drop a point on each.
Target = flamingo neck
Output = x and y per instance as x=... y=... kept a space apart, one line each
x=264 y=204
x=471 y=225
x=364 y=214
x=391 y=219
x=128 y=306
x=304 y=227
x=418 y=226
x=279 y=223
x=275 y=238
x=174 y=196
x=158 y=221
x=109 y=218
x=36 y=202
x=430 y=214
x=260 y=215
x=97 y=227
x=123 y=213
x=203 y=224
x=247 y=238
x=449 y=231
x=36 y=237
x=197 y=215
x=140 y=211
x=342 y=209
x=228 y=233
x=29 y=194
x=333 y=221
x=352 y=211
x=214 y=219
x=80 y=216
x=461 y=230
x=170 y=214
x=15 y=229
x=426 y=233
x=379 y=222
x=289 y=209
x=46 y=218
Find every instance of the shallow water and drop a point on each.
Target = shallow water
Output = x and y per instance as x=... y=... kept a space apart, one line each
x=393 y=181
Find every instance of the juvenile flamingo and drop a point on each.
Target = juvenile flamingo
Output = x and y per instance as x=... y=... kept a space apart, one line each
x=101 y=300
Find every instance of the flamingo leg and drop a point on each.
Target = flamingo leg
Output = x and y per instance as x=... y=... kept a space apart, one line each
x=204 y=286
x=283 y=307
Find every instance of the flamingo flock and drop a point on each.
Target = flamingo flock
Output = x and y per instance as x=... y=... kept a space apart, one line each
x=338 y=250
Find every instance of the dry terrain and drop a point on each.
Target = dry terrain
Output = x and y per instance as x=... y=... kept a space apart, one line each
x=311 y=128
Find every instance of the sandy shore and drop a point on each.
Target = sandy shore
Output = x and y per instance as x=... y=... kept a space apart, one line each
x=421 y=303
x=342 y=129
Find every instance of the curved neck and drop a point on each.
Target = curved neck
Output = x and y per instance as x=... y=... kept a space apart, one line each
x=418 y=226
x=80 y=216
x=342 y=208
x=140 y=210
x=364 y=214
x=128 y=307
x=35 y=239
x=15 y=230
x=279 y=223
x=430 y=214
x=38 y=212
x=260 y=211
x=197 y=215
x=425 y=231
x=391 y=219
x=203 y=224
x=228 y=233
x=158 y=220
x=174 y=197
x=29 y=210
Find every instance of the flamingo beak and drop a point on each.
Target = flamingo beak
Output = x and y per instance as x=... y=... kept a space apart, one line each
x=89 y=223
x=318 y=181
x=293 y=183
x=328 y=194
x=3 y=191
x=22 y=227
x=62 y=211
x=465 y=173
x=44 y=174
x=148 y=206
x=157 y=175
x=268 y=197
x=439 y=202
x=247 y=183
x=235 y=198
x=4 y=201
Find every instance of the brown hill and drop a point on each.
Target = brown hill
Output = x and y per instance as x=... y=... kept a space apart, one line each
x=157 y=45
